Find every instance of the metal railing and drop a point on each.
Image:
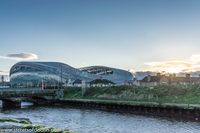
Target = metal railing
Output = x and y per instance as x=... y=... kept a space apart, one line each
x=24 y=92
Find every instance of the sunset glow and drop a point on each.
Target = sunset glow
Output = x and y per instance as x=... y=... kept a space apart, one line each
x=175 y=66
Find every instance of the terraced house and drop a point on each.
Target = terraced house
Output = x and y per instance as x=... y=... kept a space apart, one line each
x=172 y=79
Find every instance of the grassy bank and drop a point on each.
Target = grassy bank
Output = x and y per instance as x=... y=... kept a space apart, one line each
x=158 y=94
x=25 y=125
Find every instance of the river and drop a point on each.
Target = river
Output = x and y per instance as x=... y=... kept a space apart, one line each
x=96 y=121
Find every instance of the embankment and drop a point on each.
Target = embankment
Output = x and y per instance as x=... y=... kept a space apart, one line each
x=182 y=102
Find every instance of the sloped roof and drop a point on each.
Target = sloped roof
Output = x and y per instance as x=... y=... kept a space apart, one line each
x=153 y=79
x=175 y=79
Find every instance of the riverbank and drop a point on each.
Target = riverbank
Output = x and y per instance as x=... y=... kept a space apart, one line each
x=137 y=103
x=26 y=126
x=171 y=101
x=162 y=95
x=180 y=112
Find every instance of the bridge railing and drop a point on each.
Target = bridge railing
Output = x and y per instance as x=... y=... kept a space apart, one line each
x=27 y=93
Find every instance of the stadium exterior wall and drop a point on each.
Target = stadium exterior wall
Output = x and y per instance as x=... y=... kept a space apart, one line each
x=54 y=73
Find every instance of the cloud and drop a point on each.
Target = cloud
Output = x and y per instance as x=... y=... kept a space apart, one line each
x=195 y=58
x=190 y=64
x=20 y=56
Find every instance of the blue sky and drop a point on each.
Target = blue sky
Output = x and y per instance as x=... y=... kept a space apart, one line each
x=128 y=34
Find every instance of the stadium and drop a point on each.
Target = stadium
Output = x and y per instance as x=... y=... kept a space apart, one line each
x=53 y=73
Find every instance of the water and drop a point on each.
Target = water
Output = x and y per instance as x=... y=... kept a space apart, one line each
x=95 y=121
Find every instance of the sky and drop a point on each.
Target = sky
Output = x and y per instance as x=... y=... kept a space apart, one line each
x=136 y=35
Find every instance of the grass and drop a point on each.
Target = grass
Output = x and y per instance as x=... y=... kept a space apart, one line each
x=160 y=94
x=26 y=124
x=15 y=121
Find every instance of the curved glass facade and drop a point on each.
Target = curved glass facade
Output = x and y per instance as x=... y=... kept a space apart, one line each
x=53 y=73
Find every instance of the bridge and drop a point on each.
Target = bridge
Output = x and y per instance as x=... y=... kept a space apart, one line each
x=8 y=94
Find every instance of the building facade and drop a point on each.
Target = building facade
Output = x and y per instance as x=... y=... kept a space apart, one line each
x=52 y=74
x=150 y=81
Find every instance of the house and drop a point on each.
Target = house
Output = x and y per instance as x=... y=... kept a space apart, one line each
x=187 y=80
x=154 y=80
x=159 y=79
x=132 y=82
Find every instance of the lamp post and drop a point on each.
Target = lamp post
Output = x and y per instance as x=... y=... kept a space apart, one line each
x=61 y=77
x=42 y=84
x=83 y=87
